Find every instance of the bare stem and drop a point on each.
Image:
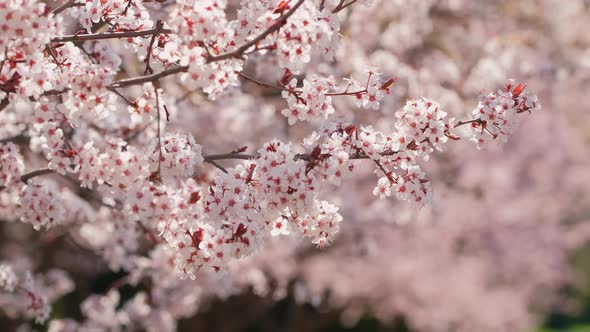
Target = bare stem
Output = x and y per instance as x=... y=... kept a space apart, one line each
x=343 y=5
x=26 y=177
x=111 y=35
x=266 y=85
x=156 y=86
x=148 y=78
x=14 y=139
x=64 y=6
x=462 y=123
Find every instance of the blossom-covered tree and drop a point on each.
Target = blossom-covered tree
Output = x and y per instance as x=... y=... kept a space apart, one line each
x=176 y=140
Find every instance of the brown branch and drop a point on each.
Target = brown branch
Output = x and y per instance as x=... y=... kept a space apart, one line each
x=26 y=177
x=462 y=123
x=111 y=35
x=159 y=27
x=66 y=5
x=343 y=5
x=232 y=155
x=148 y=78
x=156 y=88
x=216 y=164
x=266 y=85
x=4 y=103
x=300 y=156
x=127 y=100
x=20 y=138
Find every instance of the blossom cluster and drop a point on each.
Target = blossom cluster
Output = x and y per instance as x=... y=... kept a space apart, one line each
x=11 y=164
x=314 y=99
x=39 y=206
x=176 y=155
x=122 y=14
x=495 y=114
x=311 y=31
x=26 y=26
x=29 y=294
x=311 y=102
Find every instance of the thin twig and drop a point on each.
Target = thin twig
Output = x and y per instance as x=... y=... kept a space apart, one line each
x=224 y=156
x=64 y=6
x=159 y=27
x=111 y=35
x=25 y=178
x=127 y=100
x=156 y=86
x=148 y=78
x=14 y=139
x=343 y=5
x=461 y=123
x=266 y=85
x=216 y=164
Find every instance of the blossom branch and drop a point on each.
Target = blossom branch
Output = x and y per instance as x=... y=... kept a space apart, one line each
x=274 y=28
x=181 y=69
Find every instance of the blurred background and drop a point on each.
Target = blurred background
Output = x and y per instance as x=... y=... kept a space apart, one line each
x=504 y=246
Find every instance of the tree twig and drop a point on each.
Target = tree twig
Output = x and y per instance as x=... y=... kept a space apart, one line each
x=64 y=6
x=111 y=35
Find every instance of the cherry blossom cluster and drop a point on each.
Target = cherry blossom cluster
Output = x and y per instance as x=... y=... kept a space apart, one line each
x=113 y=238
x=495 y=114
x=311 y=31
x=370 y=95
x=213 y=77
x=8 y=279
x=144 y=107
x=199 y=20
x=122 y=14
x=26 y=26
x=39 y=206
x=28 y=295
x=11 y=164
x=201 y=28
x=311 y=102
x=314 y=99
x=270 y=195
x=177 y=156
x=421 y=128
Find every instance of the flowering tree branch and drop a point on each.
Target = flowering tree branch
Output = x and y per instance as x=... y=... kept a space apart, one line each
x=277 y=25
x=131 y=175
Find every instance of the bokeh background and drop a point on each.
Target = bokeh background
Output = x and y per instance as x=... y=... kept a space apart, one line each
x=504 y=245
